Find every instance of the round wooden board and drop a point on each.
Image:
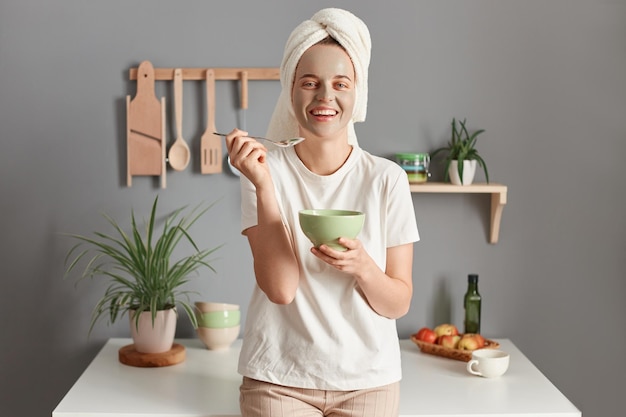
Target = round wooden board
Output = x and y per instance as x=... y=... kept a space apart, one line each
x=128 y=355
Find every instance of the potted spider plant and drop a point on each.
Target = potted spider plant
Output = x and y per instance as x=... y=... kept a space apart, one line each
x=462 y=157
x=144 y=281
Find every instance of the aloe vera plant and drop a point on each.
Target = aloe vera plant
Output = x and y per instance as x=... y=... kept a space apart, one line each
x=462 y=146
x=139 y=268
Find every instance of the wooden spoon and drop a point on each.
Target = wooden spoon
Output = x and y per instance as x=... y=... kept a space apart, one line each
x=179 y=151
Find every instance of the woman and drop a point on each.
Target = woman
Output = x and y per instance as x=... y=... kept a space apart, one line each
x=320 y=334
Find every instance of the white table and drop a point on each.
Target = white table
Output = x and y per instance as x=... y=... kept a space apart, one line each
x=206 y=384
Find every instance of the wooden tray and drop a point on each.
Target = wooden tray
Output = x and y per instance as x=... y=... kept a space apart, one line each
x=450 y=353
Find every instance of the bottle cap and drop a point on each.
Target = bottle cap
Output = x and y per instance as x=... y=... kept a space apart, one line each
x=473 y=278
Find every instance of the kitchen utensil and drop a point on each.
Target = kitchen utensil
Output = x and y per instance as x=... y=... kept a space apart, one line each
x=210 y=143
x=218 y=339
x=179 y=152
x=219 y=319
x=488 y=363
x=243 y=76
x=244 y=98
x=145 y=128
x=210 y=306
x=284 y=143
x=326 y=226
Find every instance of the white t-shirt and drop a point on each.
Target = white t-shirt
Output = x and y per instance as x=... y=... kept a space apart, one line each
x=328 y=337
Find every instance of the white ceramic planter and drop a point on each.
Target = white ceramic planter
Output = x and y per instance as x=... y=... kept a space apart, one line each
x=154 y=339
x=469 y=169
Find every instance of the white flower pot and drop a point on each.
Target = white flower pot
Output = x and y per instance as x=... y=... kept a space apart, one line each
x=469 y=169
x=154 y=339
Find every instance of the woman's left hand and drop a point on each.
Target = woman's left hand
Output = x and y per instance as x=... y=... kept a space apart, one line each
x=354 y=260
x=388 y=292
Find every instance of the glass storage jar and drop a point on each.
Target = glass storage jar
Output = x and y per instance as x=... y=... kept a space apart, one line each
x=415 y=165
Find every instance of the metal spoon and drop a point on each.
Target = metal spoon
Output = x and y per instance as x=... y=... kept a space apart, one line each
x=285 y=143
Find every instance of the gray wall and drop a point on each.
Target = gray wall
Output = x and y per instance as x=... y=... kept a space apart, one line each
x=546 y=79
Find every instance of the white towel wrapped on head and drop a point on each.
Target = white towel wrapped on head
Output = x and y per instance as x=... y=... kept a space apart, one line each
x=353 y=35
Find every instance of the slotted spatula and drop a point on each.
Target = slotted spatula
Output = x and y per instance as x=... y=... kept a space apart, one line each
x=210 y=143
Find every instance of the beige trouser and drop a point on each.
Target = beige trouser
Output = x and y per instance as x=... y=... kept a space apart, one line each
x=263 y=399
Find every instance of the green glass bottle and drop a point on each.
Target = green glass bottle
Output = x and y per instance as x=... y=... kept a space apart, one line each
x=471 y=303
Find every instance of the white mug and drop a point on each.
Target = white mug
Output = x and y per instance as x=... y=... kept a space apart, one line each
x=489 y=363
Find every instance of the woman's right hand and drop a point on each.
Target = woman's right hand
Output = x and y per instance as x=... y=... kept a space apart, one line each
x=248 y=156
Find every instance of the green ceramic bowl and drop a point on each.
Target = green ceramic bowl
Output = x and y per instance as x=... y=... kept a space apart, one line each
x=326 y=226
x=219 y=319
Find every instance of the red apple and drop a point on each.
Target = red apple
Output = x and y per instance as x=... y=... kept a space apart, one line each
x=446 y=330
x=449 y=340
x=426 y=335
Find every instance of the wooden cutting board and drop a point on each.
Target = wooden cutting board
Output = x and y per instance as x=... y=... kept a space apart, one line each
x=145 y=128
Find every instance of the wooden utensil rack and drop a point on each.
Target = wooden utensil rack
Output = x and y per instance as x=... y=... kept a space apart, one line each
x=199 y=74
x=146 y=129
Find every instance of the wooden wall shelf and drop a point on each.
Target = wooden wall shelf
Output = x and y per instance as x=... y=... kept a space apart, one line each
x=498 y=198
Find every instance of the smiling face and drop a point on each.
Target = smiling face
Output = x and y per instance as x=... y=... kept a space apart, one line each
x=324 y=92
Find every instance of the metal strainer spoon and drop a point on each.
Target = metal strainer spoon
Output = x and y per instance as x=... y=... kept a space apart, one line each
x=285 y=143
